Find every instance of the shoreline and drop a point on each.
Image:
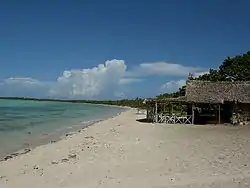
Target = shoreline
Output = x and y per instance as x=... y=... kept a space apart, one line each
x=56 y=137
x=123 y=152
x=110 y=105
x=58 y=100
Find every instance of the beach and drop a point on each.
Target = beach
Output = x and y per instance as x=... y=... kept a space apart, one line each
x=27 y=123
x=123 y=152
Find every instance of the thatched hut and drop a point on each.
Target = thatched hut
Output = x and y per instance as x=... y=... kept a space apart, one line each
x=232 y=98
x=228 y=100
x=218 y=92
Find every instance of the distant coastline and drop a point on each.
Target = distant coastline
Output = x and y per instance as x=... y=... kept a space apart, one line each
x=46 y=99
x=37 y=123
x=134 y=103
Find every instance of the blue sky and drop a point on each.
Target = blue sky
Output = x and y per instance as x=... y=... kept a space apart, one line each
x=54 y=49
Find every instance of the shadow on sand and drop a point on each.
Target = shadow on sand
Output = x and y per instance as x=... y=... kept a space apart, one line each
x=144 y=120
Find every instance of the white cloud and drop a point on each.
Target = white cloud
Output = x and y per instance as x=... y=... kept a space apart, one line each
x=103 y=79
x=22 y=80
x=163 y=69
x=23 y=86
x=107 y=80
x=200 y=74
x=100 y=81
x=129 y=80
x=172 y=86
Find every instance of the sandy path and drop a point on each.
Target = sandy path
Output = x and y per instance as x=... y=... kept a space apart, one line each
x=121 y=152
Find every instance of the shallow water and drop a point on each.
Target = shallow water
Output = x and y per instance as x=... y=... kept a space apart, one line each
x=28 y=123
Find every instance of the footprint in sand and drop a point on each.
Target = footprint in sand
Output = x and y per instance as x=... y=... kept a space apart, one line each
x=38 y=170
x=54 y=162
x=89 y=137
x=3 y=177
x=65 y=160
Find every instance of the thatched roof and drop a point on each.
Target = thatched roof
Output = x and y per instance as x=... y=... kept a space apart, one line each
x=198 y=91
x=217 y=92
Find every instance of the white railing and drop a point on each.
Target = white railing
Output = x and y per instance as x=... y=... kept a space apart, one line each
x=173 y=119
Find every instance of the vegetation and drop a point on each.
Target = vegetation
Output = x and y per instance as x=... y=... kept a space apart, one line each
x=134 y=103
x=232 y=69
x=180 y=92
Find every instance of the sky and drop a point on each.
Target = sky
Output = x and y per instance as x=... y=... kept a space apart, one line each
x=115 y=49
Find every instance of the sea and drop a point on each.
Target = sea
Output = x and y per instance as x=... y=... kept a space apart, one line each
x=27 y=124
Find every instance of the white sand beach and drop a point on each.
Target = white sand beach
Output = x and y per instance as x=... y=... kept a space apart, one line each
x=122 y=152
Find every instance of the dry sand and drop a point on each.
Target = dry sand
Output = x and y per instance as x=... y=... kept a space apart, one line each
x=121 y=152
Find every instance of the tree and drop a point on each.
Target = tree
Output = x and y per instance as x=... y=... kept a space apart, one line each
x=236 y=68
x=180 y=92
x=212 y=75
x=232 y=69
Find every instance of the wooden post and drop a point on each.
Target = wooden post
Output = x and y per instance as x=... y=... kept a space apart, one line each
x=219 y=113
x=164 y=112
x=216 y=112
x=147 y=114
x=192 y=113
x=156 y=113
x=172 y=112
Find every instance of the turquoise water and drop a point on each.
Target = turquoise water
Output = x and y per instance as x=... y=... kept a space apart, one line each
x=30 y=123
